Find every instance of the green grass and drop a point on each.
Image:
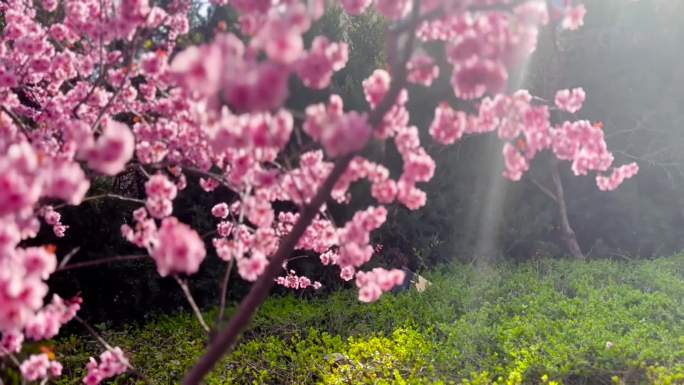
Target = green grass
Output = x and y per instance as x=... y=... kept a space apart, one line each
x=541 y=322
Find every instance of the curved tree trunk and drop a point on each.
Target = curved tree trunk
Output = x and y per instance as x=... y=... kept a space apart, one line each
x=568 y=234
x=549 y=88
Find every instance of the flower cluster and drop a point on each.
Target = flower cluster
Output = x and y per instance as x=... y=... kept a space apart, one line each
x=54 y=219
x=584 y=144
x=236 y=240
x=448 y=125
x=292 y=281
x=573 y=17
x=144 y=232
x=318 y=65
x=570 y=100
x=619 y=175
x=422 y=70
x=22 y=282
x=373 y=283
x=160 y=195
x=263 y=84
x=527 y=130
x=418 y=165
x=39 y=367
x=177 y=248
x=354 y=238
x=60 y=99
x=11 y=342
x=301 y=183
x=221 y=211
x=482 y=46
x=338 y=133
x=112 y=149
x=47 y=321
x=112 y=363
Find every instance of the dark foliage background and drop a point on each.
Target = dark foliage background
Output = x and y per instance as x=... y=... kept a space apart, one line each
x=627 y=57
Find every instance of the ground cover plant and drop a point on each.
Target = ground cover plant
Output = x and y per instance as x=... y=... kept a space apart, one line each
x=547 y=321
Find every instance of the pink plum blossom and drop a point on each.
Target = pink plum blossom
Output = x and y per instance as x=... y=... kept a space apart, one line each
x=574 y=17
x=570 y=100
x=448 y=125
x=112 y=363
x=422 y=70
x=220 y=210
x=377 y=281
x=112 y=150
x=177 y=249
x=615 y=179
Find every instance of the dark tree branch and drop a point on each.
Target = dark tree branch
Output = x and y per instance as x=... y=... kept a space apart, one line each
x=17 y=121
x=544 y=189
x=104 y=196
x=225 y=339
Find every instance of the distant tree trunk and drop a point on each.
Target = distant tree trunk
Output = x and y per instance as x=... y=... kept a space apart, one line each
x=550 y=67
x=568 y=234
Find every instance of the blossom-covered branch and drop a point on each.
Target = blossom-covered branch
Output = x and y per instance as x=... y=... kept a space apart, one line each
x=74 y=110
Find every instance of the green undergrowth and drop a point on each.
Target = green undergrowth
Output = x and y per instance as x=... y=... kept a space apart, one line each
x=544 y=322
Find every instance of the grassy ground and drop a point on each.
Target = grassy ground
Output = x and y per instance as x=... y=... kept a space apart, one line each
x=567 y=322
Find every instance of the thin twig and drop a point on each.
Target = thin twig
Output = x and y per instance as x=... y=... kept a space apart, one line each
x=194 y=170
x=68 y=257
x=74 y=111
x=103 y=196
x=17 y=121
x=224 y=293
x=107 y=346
x=94 y=333
x=14 y=359
x=219 y=178
x=297 y=258
x=193 y=304
x=111 y=100
x=99 y=262
x=226 y=278
x=143 y=171
x=544 y=189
